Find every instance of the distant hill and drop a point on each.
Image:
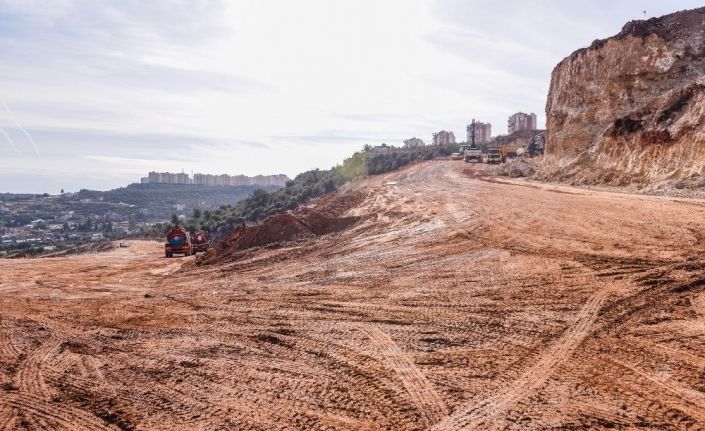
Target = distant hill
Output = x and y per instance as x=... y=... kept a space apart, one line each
x=159 y=201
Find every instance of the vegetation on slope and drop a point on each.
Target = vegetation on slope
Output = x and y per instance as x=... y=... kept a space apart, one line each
x=305 y=186
x=394 y=158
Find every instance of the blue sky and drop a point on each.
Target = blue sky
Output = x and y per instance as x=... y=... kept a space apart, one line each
x=110 y=90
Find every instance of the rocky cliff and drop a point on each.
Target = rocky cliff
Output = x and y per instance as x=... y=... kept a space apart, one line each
x=631 y=108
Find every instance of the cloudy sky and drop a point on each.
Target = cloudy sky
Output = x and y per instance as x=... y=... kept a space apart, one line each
x=94 y=94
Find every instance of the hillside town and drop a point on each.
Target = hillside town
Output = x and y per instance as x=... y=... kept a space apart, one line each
x=45 y=223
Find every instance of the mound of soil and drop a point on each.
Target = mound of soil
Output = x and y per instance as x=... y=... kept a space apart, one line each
x=321 y=217
x=275 y=229
x=321 y=224
x=516 y=168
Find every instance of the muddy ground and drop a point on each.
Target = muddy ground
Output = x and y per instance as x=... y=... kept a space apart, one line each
x=459 y=301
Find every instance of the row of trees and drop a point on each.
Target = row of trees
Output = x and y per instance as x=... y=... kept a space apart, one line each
x=394 y=158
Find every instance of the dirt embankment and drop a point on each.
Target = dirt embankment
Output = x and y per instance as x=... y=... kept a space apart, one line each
x=322 y=216
x=631 y=109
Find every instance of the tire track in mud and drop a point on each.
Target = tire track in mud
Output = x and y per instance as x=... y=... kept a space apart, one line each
x=420 y=390
x=654 y=405
x=694 y=400
x=8 y=347
x=484 y=413
x=30 y=377
x=361 y=373
x=49 y=416
x=40 y=372
x=8 y=418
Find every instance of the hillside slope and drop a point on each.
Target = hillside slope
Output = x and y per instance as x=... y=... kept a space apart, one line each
x=631 y=108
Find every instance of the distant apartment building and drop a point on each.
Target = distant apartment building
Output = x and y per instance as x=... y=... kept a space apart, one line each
x=217 y=180
x=483 y=132
x=443 y=138
x=168 y=178
x=414 y=143
x=521 y=121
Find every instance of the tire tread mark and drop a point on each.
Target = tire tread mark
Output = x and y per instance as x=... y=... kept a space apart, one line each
x=420 y=390
x=64 y=417
x=475 y=415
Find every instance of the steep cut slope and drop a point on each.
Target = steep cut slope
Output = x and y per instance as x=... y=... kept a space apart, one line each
x=631 y=108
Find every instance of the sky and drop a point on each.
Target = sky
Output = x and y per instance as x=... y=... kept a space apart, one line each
x=94 y=94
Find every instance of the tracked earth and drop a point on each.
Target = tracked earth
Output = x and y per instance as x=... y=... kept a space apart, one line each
x=452 y=300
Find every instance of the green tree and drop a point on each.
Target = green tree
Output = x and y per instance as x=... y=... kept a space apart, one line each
x=174 y=219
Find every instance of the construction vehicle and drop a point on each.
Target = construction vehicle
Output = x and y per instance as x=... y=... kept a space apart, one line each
x=177 y=242
x=508 y=153
x=200 y=241
x=494 y=155
x=472 y=151
x=536 y=146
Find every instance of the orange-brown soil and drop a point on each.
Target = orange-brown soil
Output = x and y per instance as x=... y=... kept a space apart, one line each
x=456 y=301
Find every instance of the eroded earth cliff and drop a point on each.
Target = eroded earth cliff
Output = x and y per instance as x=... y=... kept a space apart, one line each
x=631 y=109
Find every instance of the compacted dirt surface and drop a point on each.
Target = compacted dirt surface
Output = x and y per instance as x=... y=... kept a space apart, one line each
x=457 y=301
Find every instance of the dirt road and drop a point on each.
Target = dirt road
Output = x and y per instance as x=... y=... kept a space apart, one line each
x=459 y=302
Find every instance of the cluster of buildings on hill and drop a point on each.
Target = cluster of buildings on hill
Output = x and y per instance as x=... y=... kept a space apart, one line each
x=51 y=222
x=483 y=131
x=215 y=180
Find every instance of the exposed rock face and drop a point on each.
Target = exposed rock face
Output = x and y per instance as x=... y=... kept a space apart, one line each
x=631 y=108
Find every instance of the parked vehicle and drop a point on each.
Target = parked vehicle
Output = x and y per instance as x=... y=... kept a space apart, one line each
x=178 y=242
x=494 y=155
x=509 y=153
x=200 y=241
x=472 y=152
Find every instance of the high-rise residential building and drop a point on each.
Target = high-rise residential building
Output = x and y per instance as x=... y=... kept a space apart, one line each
x=483 y=132
x=521 y=121
x=443 y=138
x=414 y=143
